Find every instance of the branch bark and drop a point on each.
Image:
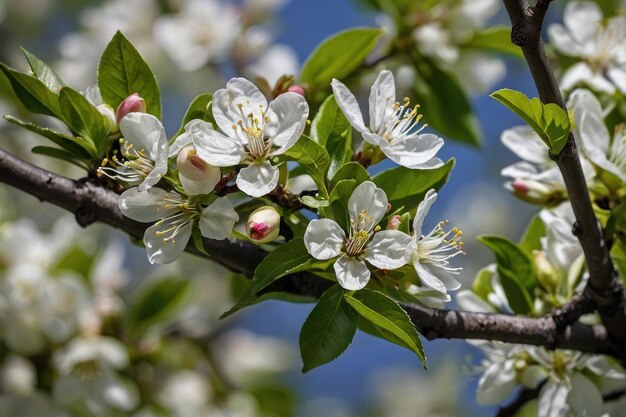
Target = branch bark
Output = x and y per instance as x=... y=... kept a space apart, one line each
x=604 y=287
x=91 y=202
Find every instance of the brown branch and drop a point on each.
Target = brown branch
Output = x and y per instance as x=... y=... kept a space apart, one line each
x=90 y=203
x=604 y=287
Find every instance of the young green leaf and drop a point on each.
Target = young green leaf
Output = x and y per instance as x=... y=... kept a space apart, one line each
x=531 y=239
x=549 y=121
x=516 y=272
x=329 y=329
x=313 y=158
x=495 y=39
x=407 y=187
x=43 y=72
x=446 y=107
x=82 y=117
x=313 y=202
x=351 y=170
x=122 y=71
x=338 y=56
x=156 y=300
x=60 y=154
x=331 y=129
x=387 y=315
x=32 y=93
x=200 y=108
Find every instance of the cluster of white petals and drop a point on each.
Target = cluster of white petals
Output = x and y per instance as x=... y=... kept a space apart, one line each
x=393 y=126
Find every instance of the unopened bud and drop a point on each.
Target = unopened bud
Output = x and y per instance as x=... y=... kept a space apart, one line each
x=394 y=222
x=547 y=275
x=196 y=175
x=131 y=104
x=108 y=117
x=263 y=224
x=18 y=376
x=535 y=192
x=297 y=89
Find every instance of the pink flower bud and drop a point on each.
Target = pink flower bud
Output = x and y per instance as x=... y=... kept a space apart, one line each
x=297 y=89
x=196 y=175
x=535 y=192
x=394 y=222
x=263 y=225
x=131 y=104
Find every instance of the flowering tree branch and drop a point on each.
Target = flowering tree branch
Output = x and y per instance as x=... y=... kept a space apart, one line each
x=604 y=288
x=91 y=202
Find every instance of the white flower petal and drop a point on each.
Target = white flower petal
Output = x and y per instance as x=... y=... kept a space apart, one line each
x=215 y=148
x=144 y=206
x=388 y=248
x=348 y=105
x=382 y=97
x=193 y=187
x=552 y=399
x=585 y=399
x=533 y=376
x=287 y=114
x=238 y=92
x=618 y=76
x=583 y=20
x=413 y=151
x=324 y=239
x=469 y=301
x=422 y=212
x=218 y=219
x=352 y=274
x=428 y=279
x=525 y=143
x=593 y=132
x=257 y=180
x=161 y=251
x=185 y=138
x=496 y=384
x=563 y=41
x=367 y=197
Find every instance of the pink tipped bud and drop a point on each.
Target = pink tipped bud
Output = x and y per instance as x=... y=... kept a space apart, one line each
x=196 y=175
x=263 y=225
x=131 y=104
x=297 y=89
x=534 y=192
x=394 y=222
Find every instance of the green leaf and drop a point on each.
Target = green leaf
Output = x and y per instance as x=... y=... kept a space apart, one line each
x=155 y=300
x=495 y=39
x=196 y=235
x=59 y=154
x=281 y=296
x=531 y=239
x=549 y=121
x=331 y=129
x=43 y=72
x=83 y=118
x=313 y=202
x=389 y=317
x=407 y=187
x=122 y=71
x=445 y=104
x=200 y=108
x=351 y=170
x=338 y=56
x=339 y=197
x=516 y=272
x=288 y=258
x=32 y=93
x=77 y=146
x=482 y=283
x=329 y=329
x=313 y=158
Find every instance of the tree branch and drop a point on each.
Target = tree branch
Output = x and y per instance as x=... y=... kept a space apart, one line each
x=91 y=202
x=604 y=287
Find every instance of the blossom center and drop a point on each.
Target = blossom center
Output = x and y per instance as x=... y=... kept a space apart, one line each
x=250 y=129
x=402 y=122
x=439 y=246
x=362 y=229
x=184 y=213
x=133 y=167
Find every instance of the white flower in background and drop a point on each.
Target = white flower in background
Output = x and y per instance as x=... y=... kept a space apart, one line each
x=562 y=247
x=195 y=174
x=145 y=152
x=443 y=34
x=600 y=45
x=17 y=376
x=496 y=300
x=252 y=133
x=499 y=369
x=276 y=61
x=431 y=253
x=606 y=153
x=203 y=31
x=392 y=126
x=175 y=217
x=325 y=239
x=88 y=372
x=187 y=393
x=107 y=277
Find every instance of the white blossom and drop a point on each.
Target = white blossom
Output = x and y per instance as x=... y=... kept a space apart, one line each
x=252 y=133
x=175 y=217
x=431 y=253
x=145 y=152
x=325 y=239
x=600 y=46
x=392 y=126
